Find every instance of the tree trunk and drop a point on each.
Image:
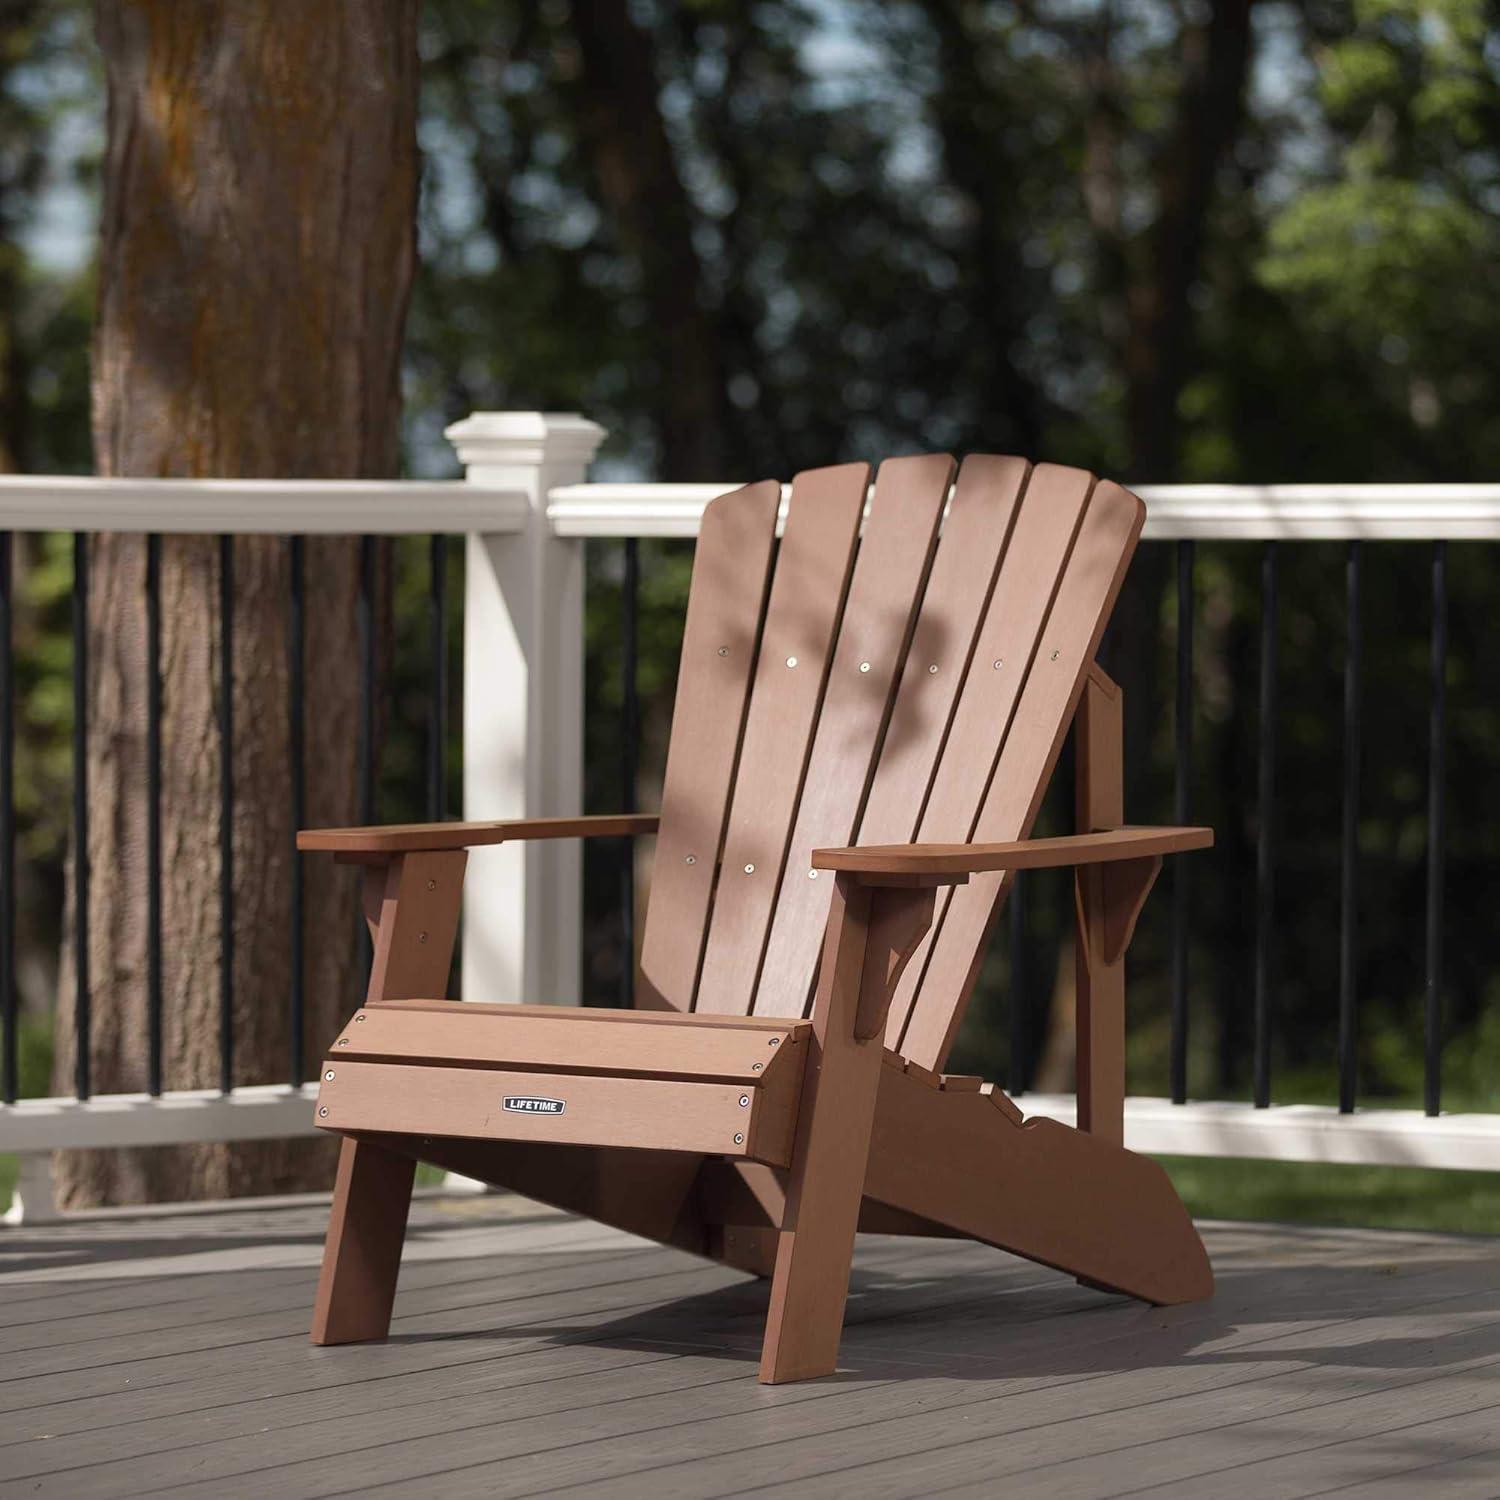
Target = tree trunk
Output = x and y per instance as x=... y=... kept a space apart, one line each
x=632 y=160
x=258 y=246
x=1215 y=67
x=1160 y=322
x=972 y=117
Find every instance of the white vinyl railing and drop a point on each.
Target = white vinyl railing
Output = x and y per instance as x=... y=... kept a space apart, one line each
x=526 y=511
x=1175 y=512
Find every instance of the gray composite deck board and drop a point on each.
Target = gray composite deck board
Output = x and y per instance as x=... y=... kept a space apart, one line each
x=532 y=1353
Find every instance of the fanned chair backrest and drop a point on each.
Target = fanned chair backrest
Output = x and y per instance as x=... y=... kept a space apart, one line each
x=912 y=679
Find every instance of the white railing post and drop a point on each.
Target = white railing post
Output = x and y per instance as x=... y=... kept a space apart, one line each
x=34 y=1200
x=523 y=709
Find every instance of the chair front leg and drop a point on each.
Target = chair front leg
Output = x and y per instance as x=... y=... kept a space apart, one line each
x=869 y=938
x=411 y=905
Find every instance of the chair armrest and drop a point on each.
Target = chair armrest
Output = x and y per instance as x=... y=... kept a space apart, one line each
x=878 y=864
x=407 y=838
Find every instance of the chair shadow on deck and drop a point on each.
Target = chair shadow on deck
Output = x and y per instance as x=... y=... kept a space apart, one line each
x=75 y=1242
x=1015 y=1323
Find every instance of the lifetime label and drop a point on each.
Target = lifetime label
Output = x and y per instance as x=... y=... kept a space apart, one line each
x=533 y=1104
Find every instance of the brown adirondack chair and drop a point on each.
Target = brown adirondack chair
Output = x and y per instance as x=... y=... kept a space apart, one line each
x=866 y=720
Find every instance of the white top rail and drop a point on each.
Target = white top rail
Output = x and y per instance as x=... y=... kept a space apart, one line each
x=400 y=507
x=1210 y=512
x=241 y=507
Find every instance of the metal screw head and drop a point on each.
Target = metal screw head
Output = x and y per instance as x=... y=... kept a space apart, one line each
x=358 y=1019
x=322 y=1110
x=343 y=1041
x=744 y=1101
x=791 y=661
x=739 y=1140
x=864 y=666
x=933 y=669
x=812 y=874
x=998 y=663
x=774 y=1042
x=328 y=1076
x=723 y=650
x=756 y=1067
x=691 y=859
x=432 y=885
x=749 y=869
x=1054 y=656
x=421 y=937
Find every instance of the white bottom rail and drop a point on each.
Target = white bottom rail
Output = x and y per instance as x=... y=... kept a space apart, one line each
x=1214 y=1128
x=1297 y=1132
x=35 y=1128
x=182 y=1116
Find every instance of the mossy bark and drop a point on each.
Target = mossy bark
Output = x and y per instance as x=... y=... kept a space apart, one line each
x=257 y=253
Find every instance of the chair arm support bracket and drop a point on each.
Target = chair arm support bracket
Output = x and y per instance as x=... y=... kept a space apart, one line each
x=1110 y=898
x=898 y=921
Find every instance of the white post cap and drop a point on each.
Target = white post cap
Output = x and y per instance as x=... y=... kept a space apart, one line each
x=525 y=439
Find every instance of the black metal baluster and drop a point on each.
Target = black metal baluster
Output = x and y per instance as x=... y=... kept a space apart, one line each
x=629 y=734
x=82 y=1015
x=1265 y=838
x=1437 y=836
x=1182 y=809
x=10 y=1082
x=226 y=813
x=1349 y=839
x=437 y=732
x=1020 y=999
x=153 y=819
x=365 y=629
x=366 y=621
x=296 y=710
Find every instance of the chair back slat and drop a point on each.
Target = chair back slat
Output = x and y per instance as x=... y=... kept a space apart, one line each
x=722 y=630
x=884 y=595
x=861 y=741
x=974 y=538
x=1074 y=625
x=1040 y=541
x=813 y=567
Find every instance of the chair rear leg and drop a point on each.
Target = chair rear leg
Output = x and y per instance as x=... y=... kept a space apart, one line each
x=362 y=1254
